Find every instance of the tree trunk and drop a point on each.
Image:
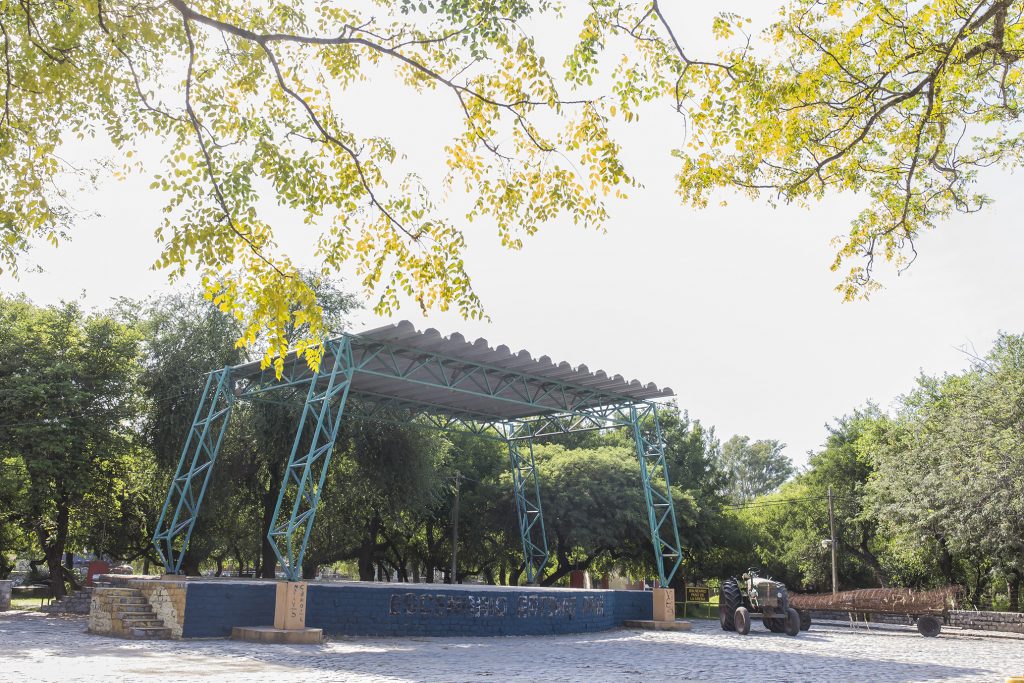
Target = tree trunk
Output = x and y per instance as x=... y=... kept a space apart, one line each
x=946 y=563
x=1014 y=588
x=53 y=546
x=515 y=574
x=190 y=565
x=867 y=557
x=309 y=571
x=566 y=566
x=53 y=563
x=367 y=553
x=365 y=566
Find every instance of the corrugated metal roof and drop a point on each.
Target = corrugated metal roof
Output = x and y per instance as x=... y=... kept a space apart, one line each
x=384 y=352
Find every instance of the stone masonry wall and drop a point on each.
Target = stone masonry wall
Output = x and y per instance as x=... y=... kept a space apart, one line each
x=1012 y=622
x=167 y=598
x=101 y=614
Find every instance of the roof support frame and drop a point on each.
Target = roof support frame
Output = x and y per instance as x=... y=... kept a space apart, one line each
x=526 y=487
x=188 y=486
x=661 y=513
x=305 y=474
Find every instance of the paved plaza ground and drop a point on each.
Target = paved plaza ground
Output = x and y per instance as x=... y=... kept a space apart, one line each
x=38 y=647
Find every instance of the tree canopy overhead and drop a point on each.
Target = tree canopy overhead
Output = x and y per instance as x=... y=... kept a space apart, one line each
x=253 y=98
x=901 y=103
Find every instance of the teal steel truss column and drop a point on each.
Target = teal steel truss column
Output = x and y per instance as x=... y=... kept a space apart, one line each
x=526 y=485
x=661 y=512
x=185 y=494
x=305 y=474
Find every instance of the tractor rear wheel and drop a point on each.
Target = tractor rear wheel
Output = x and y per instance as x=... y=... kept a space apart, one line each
x=742 y=620
x=928 y=626
x=729 y=599
x=792 y=622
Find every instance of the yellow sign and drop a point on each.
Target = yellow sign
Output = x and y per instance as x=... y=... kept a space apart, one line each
x=697 y=594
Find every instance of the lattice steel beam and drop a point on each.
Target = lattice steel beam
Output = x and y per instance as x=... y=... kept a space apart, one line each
x=306 y=472
x=398 y=411
x=661 y=512
x=185 y=494
x=526 y=486
x=581 y=420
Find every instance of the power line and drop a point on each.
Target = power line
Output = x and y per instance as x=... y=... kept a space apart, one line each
x=776 y=502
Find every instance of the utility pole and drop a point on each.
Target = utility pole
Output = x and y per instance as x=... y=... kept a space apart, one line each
x=455 y=530
x=832 y=534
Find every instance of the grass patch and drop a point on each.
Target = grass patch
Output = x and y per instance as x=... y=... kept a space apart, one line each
x=27 y=603
x=697 y=610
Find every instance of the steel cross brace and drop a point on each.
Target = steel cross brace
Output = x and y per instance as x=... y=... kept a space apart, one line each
x=581 y=419
x=305 y=473
x=185 y=494
x=526 y=486
x=661 y=512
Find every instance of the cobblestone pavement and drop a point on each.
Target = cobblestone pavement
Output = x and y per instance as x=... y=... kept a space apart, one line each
x=40 y=647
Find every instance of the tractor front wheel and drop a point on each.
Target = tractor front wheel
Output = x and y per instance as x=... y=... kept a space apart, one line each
x=805 y=620
x=792 y=622
x=729 y=599
x=928 y=626
x=742 y=620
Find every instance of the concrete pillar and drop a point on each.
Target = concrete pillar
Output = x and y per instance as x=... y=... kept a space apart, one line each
x=290 y=605
x=664 y=604
x=6 y=587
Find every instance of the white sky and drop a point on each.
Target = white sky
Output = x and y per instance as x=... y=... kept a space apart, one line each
x=731 y=306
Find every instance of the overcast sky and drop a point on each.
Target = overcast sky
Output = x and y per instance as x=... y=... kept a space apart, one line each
x=733 y=307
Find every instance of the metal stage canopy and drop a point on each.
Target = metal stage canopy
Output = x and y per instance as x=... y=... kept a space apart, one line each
x=398 y=373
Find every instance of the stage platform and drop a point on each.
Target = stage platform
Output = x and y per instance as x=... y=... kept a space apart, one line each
x=213 y=607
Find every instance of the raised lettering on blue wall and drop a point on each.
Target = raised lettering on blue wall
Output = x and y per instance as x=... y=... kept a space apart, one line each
x=525 y=606
x=446 y=605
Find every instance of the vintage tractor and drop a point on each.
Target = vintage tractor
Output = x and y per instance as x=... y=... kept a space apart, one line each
x=739 y=600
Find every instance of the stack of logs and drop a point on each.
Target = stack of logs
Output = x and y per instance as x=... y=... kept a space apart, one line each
x=881 y=600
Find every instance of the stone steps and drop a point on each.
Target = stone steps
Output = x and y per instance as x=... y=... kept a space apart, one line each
x=143 y=622
x=126 y=612
x=149 y=633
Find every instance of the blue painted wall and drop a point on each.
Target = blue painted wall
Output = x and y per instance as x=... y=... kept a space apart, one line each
x=211 y=609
